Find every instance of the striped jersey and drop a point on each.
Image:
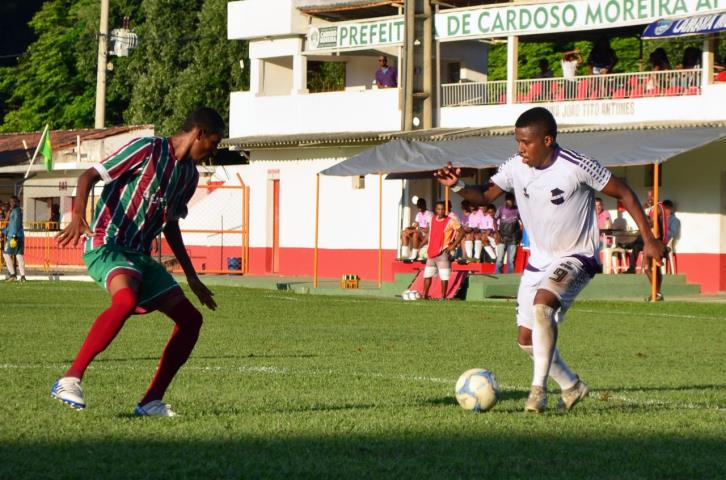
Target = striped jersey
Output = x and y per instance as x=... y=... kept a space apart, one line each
x=145 y=187
x=556 y=204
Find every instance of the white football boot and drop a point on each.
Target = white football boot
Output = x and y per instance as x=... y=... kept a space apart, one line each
x=68 y=390
x=155 y=408
x=537 y=400
x=572 y=396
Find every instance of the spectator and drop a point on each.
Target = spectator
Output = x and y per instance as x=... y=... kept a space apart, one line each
x=55 y=216
x=604 y=221
x=2 y=212
x=691 y=58
x=386 y=77
x=445 y=233
x=544 y=69
x=470 y=228
x=509 y=230
x=658 y=60
x=488 y=231
x=415 y=236
x=674 y=224
x=569 y=63
x=602 y=58
x=637 y=245
x=14 y=248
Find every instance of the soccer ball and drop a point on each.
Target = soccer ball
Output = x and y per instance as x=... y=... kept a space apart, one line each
x=477 y=390
x=410 y=295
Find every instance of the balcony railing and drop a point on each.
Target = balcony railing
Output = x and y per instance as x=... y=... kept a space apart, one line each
x=473 y=93
x=666 y=83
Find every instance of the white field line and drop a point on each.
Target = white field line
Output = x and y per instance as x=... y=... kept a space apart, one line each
x=273 y=370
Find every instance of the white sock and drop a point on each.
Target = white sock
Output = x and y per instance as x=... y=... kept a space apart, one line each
x=544 y=338
x=404 y=251
x=9 y=263
x=468 y=248
x=414 y=254
x=559 y=371
x=21 y=264
x=477 y=249
x=490 y=251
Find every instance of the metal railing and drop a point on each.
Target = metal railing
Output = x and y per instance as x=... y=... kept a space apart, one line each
x=667 y=83
x=473 y=93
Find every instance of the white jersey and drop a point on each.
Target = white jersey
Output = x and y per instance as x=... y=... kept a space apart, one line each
x=556 y=204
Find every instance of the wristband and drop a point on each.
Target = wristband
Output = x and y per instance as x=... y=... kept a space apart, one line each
x=458 y=186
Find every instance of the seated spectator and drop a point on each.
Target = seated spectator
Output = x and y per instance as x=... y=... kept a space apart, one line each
x=569 y=63
x=544 y=69
x=674 y=224
x=445 y=233
x=602 y=58
x=415 y=236
x=55 y=216
x=637 y=245
x=509 y=231
x=658 y=60
x=691 y=58
x=488 y=232
x=604 y=221
x=386 y=77
x=470 y=228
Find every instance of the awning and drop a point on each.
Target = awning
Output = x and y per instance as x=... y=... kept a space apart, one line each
x=612 y=148
x=678 y=27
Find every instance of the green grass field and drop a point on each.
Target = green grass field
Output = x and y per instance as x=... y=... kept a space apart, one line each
x=289 y=386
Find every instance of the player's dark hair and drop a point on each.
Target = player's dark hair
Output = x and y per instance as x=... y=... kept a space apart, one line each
x=440 y=202
x=206 y=119
x=465 y=204
x=667 y=204
x=421 y=203
x=538 y=117
x=14 y=197
x=509 y=196
x=598 y=199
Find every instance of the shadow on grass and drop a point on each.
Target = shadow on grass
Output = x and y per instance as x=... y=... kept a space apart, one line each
x=398 y=455
x=208 y=357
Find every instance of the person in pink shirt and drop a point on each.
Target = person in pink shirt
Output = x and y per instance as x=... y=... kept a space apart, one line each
x=416 y=236
x=470 y=224
x=487 y=229
x=604 y=221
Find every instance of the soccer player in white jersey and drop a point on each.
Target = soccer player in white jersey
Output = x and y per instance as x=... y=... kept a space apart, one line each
x=555 y=191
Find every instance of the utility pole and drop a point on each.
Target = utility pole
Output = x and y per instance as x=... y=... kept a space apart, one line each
x=101 y=71
x=418 y=63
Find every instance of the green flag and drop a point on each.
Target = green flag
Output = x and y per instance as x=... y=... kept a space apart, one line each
x=46 y=150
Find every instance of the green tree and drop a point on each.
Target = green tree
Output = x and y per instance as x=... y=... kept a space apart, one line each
x=165 y=50
x=46 y=85
x=214 y=70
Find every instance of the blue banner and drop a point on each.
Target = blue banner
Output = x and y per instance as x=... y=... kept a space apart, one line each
x=696 y=25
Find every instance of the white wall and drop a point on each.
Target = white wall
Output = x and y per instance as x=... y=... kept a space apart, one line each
x=473 y=56
x=358 y=111
x=708 y=106
x=277 y=76
x=249 y=19
x=348 y=216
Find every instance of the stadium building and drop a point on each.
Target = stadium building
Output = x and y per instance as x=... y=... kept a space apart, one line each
x=328 y=169
x=291 y=133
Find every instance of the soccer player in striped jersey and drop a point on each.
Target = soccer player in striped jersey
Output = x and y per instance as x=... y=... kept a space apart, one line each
x=555 y=191
x=148 y=184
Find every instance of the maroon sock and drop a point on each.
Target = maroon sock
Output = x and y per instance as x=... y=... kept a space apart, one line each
x=186 y=331
x=104 y=330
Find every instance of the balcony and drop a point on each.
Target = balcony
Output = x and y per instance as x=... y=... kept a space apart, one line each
x=667 y=83
x=668 y=95
x=353 y=110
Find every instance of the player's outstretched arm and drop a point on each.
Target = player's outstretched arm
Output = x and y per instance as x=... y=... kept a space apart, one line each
x=78 y=226
x=652 y=247
x=174 y=237
x=450 y=175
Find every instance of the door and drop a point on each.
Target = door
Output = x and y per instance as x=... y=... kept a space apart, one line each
x=275 y=226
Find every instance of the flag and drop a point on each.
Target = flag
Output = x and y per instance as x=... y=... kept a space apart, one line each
x=45 y=149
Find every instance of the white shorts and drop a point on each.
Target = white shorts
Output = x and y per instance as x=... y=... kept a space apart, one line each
x=565 y=278
x=440 y=264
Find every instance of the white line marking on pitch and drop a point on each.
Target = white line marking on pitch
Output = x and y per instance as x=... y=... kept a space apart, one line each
x=273 y=370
